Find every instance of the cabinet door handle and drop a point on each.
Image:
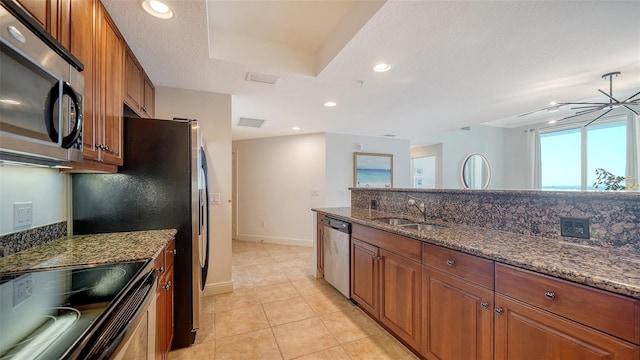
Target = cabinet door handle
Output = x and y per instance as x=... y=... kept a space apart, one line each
x=161 y=270
x=451 y=263
x=167 y=285
x=550 y=295
x=174 y=251
x=498 y=311
x=484 y=304
x=377 y=258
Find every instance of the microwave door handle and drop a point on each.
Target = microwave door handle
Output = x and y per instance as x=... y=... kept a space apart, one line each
x=49 y=105
x=69 y=140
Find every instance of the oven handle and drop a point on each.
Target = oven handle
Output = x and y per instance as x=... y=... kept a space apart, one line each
x=121 y=325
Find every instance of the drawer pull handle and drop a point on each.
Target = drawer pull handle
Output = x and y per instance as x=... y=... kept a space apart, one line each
x=498 y=311
x=451 y=263
x=167 y=285
x=550 y=295
x=484 y=304
x=161 y=270
x=173 y=251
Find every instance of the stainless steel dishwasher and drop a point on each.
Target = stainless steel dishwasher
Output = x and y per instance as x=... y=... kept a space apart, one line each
x=337 y=236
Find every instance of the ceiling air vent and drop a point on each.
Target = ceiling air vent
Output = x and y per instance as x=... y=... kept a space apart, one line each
x=248 y=122
x=262 y=78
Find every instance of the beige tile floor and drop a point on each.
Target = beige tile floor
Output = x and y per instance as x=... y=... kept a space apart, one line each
x=278 y=310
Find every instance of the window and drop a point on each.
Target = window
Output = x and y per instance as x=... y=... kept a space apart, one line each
x=569 y=157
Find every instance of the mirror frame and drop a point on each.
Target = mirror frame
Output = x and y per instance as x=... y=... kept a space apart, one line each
x=485 y=162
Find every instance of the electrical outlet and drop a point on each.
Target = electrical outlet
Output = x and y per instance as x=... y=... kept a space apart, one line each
x=575 y=227
x=22 y=214
x=22 y=288
x=374 y=204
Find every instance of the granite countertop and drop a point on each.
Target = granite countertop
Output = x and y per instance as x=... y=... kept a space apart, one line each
x=90 y=250
x=605 y=268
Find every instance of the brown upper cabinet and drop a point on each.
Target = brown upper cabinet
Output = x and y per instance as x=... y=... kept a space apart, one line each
x=139 y=90
x=113 y=77
x=53 y=15
x=96 y=41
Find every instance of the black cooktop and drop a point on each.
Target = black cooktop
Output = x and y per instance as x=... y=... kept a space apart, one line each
x=44 y=314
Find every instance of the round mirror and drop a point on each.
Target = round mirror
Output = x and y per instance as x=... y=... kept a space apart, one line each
x=475 y=172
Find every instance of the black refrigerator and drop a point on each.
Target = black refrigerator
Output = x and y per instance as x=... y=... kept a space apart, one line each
x=162 y=184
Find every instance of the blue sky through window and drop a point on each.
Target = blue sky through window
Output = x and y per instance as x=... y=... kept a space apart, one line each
x=561 y=154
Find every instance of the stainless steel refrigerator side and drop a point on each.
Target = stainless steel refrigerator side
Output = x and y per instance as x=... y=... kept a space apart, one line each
x=195 y=223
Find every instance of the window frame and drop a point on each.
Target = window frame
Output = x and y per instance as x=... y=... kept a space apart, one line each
x=583 y=142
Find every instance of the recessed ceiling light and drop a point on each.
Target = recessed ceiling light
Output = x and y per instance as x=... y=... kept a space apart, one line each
x=553 y=103
x=330 y=104
x=553 y=121
x=158 y=9
x=381 y=67
x=295 y=128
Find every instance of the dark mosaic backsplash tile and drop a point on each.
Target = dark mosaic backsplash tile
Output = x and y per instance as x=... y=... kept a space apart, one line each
x=23 y=240
x=614 y=217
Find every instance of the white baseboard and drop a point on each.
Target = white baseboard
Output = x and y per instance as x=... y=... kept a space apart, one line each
x=218 y=288
x=274 y=240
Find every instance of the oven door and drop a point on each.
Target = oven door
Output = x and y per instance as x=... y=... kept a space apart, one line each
x=40 y=97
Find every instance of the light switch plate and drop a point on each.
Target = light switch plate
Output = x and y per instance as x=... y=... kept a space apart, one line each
x=215 y=198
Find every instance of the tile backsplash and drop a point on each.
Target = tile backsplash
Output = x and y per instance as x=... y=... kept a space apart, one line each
x=19 y=241
x=614 y=216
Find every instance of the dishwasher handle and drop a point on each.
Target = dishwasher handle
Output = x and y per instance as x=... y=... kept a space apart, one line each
x=336 y=224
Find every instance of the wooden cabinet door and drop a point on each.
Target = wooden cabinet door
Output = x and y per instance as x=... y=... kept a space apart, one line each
x=53 y=15
x=149 y=98
x=133 y=82
x=168 y=312
x=527 y=333
x=400 y=296
x=111 y=74
x=39 y=10
x=457 y=318
x=83 y=46
x=364 y=276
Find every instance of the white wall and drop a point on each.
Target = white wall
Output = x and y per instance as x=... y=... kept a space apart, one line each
x=277 y=178
x=46 y=188
x=457 y=144
x=277 y=182
x=339 y=163
x=213 y=112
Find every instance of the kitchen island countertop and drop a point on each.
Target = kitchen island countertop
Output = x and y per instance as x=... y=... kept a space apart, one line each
x=90 y=249
x=606 y=268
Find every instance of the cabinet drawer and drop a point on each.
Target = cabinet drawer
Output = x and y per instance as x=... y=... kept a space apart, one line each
x=468 y=267
x=611 y=313
x=397 y=244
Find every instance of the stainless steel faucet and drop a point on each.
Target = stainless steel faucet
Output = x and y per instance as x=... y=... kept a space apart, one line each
x=421 y=207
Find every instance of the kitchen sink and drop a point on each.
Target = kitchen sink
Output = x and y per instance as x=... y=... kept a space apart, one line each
x=422 y=227
x=395 y=221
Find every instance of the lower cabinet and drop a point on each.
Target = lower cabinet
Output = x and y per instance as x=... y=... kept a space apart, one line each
x=524 y=332
x=449 y=305
x=457 y=318
x=164 y=301
x=387 y=285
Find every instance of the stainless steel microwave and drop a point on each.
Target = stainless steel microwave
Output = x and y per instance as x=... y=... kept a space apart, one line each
x=41 y=94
